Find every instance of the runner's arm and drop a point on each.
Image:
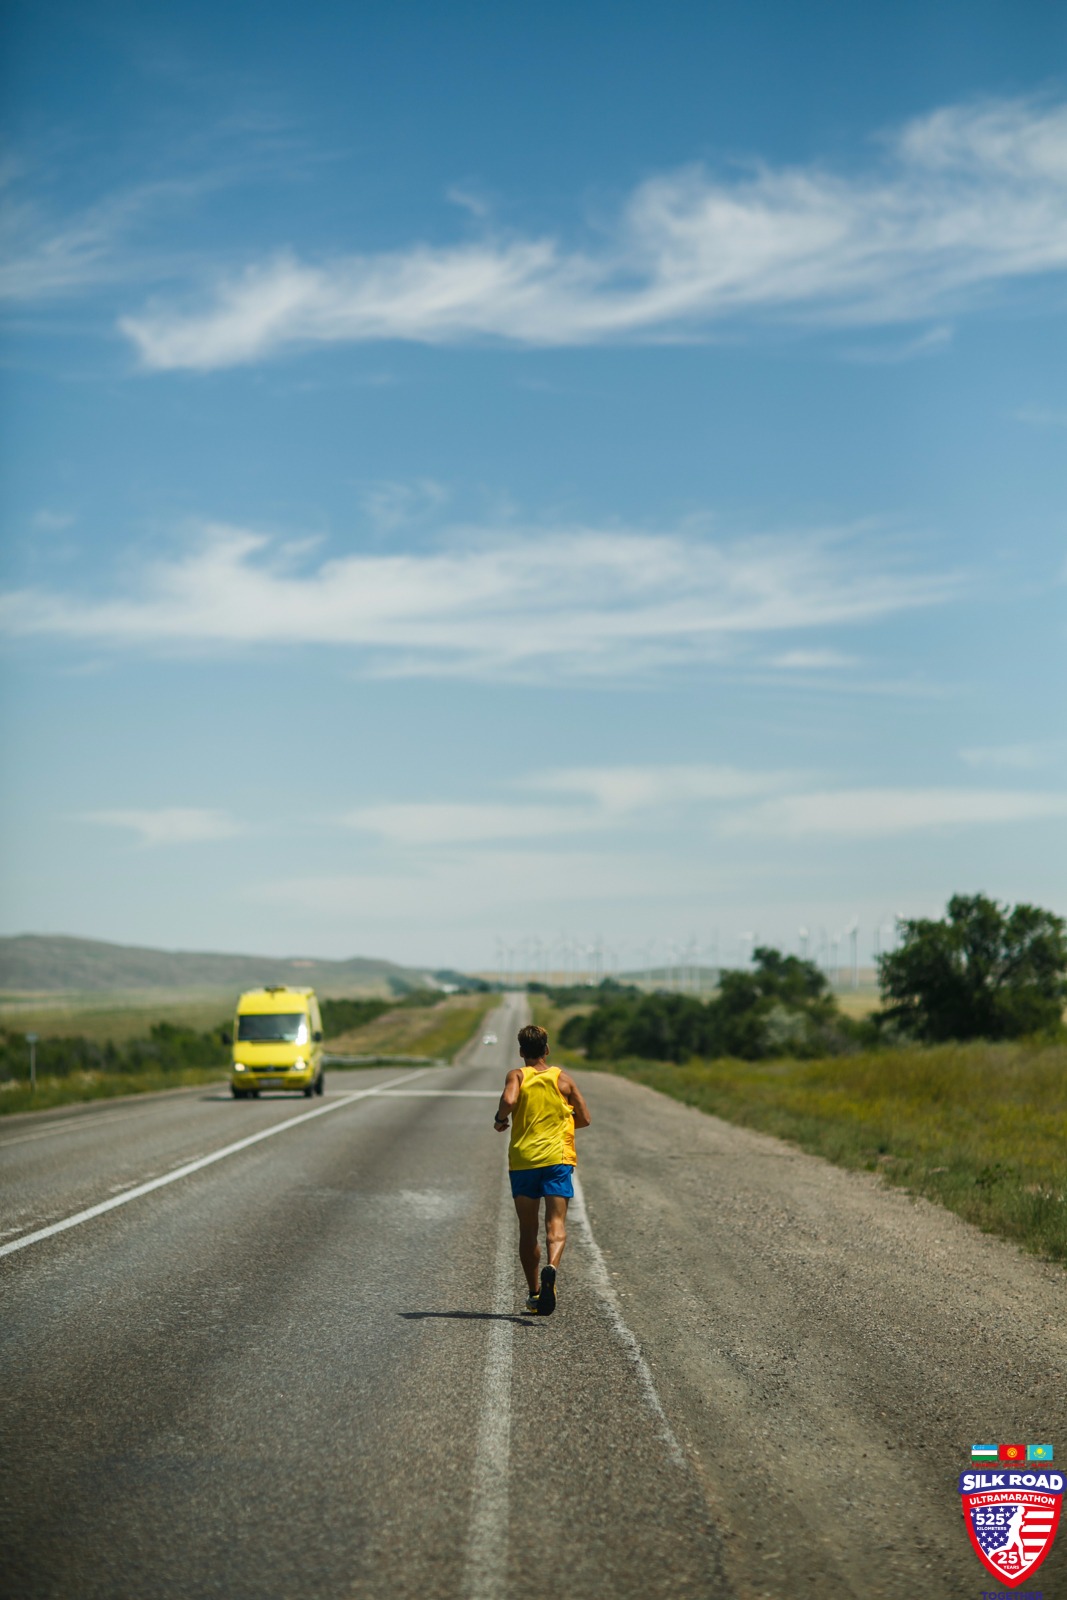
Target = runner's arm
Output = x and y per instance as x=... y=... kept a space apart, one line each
x=508 y=1100
x=573 y=1096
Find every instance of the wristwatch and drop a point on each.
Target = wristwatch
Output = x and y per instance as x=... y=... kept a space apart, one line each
x=499 y=1119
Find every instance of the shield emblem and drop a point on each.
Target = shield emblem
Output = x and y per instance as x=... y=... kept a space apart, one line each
x=1011 y=1520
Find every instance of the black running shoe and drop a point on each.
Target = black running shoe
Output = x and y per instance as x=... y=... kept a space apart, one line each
x=546 y=1300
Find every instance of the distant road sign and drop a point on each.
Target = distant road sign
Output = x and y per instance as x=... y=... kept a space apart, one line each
x=31 y=1040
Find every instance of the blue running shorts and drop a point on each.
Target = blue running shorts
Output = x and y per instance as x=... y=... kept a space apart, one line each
x=537 y=1182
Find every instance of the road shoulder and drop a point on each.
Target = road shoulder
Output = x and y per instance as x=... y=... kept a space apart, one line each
x=826 y=1347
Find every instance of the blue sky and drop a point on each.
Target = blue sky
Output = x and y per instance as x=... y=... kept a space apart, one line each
x=471 y=475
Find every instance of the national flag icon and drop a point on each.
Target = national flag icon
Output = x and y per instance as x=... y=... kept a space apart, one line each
x=984 y=1452
x=1012 y=1453
x=1039 y=1452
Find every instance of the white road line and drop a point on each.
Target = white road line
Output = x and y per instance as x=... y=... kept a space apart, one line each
x=485 y=1575
x=578 y=1214
x=190 y=1167
x=432 y=1094
x=61 y=1127
x=93 y=1119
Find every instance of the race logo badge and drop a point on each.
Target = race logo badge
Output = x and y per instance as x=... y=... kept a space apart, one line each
x=1011 y=1507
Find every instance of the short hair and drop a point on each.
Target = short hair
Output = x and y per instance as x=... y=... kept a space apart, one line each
x=533 y=1042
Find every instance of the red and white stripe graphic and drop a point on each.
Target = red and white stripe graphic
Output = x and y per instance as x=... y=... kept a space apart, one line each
x=1038 y=1523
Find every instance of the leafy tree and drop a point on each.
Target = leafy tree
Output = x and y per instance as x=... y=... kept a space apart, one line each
x=781 y=1007
x=981 y=972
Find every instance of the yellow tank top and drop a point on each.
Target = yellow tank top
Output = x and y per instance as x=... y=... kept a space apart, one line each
x=542 y=1124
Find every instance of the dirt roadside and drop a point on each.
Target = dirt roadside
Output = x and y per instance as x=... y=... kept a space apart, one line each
x=827 y=1348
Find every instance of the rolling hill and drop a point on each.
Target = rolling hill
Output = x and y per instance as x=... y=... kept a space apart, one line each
x=56 y=963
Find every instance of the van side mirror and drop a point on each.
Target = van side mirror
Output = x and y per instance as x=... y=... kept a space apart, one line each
x=226 y=1036
x=317 y=1036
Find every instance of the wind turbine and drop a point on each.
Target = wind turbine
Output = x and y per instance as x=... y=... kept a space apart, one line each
x=853 y=931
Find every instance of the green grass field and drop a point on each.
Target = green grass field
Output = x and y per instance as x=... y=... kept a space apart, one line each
x=16 y=1095
x=116 y=1016
x=978 y=1128
x=436 y=1031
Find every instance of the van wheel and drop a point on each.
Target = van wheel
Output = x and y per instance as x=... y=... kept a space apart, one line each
x=320 y=1086
x=238 y=1094
x=254 y=1093
x=309 y=1091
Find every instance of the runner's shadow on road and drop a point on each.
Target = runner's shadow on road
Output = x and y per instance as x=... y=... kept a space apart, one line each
x=468 y=1316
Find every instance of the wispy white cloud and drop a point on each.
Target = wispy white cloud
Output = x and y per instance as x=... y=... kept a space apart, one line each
x=429 y=822
x=169 y=824
x=454 y=887
x=47 y=521
x=617 y=790
x=466 y=196
x=892 y=352
x=877 y=813
x=962 y=200
x=41 y=258
x=48 y=252
x=1026 y=757
x=45 y=257
x=813 y=660
x=654 y=800
x=546 y=602
x=588 y=799
x=391 y=506
x=1042 y=417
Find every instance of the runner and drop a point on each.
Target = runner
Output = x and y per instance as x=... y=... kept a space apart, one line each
x=546 y=1106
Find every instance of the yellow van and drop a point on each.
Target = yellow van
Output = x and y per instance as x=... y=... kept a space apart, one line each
x=277 y=1042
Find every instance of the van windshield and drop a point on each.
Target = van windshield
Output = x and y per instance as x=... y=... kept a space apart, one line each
x=273 y=1027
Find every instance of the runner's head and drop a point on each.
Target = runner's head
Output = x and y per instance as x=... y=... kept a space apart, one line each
x=533 y=1042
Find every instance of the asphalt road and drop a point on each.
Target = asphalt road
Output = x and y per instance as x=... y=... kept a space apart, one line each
x=300 y=1368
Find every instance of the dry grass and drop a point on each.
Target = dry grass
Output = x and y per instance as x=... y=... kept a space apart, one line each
x=16 y=1095
x=858 y=1003
x=118 y=1017
x=435 y=1031
x=979 y=1128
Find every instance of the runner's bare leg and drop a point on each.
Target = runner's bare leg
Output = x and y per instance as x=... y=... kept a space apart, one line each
x=529 y=1250
x=555 y=1226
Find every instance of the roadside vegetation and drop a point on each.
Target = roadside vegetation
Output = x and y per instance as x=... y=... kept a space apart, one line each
x=340 y=1017
x=71 y=1068
x=955 y=1090
x=436 y=1032
x=118 y=1018
x=783 y=1006
x=149 y=1056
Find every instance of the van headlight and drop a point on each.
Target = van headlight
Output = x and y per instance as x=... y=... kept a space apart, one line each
x=239 y=1066
x=299 y=1065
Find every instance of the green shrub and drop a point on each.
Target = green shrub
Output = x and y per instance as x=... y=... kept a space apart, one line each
x=343 y=1016
x=782 y=1006
x=167 y=1048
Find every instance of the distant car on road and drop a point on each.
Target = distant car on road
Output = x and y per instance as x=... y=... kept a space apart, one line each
x=277 y=1042
x=490 y=1038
